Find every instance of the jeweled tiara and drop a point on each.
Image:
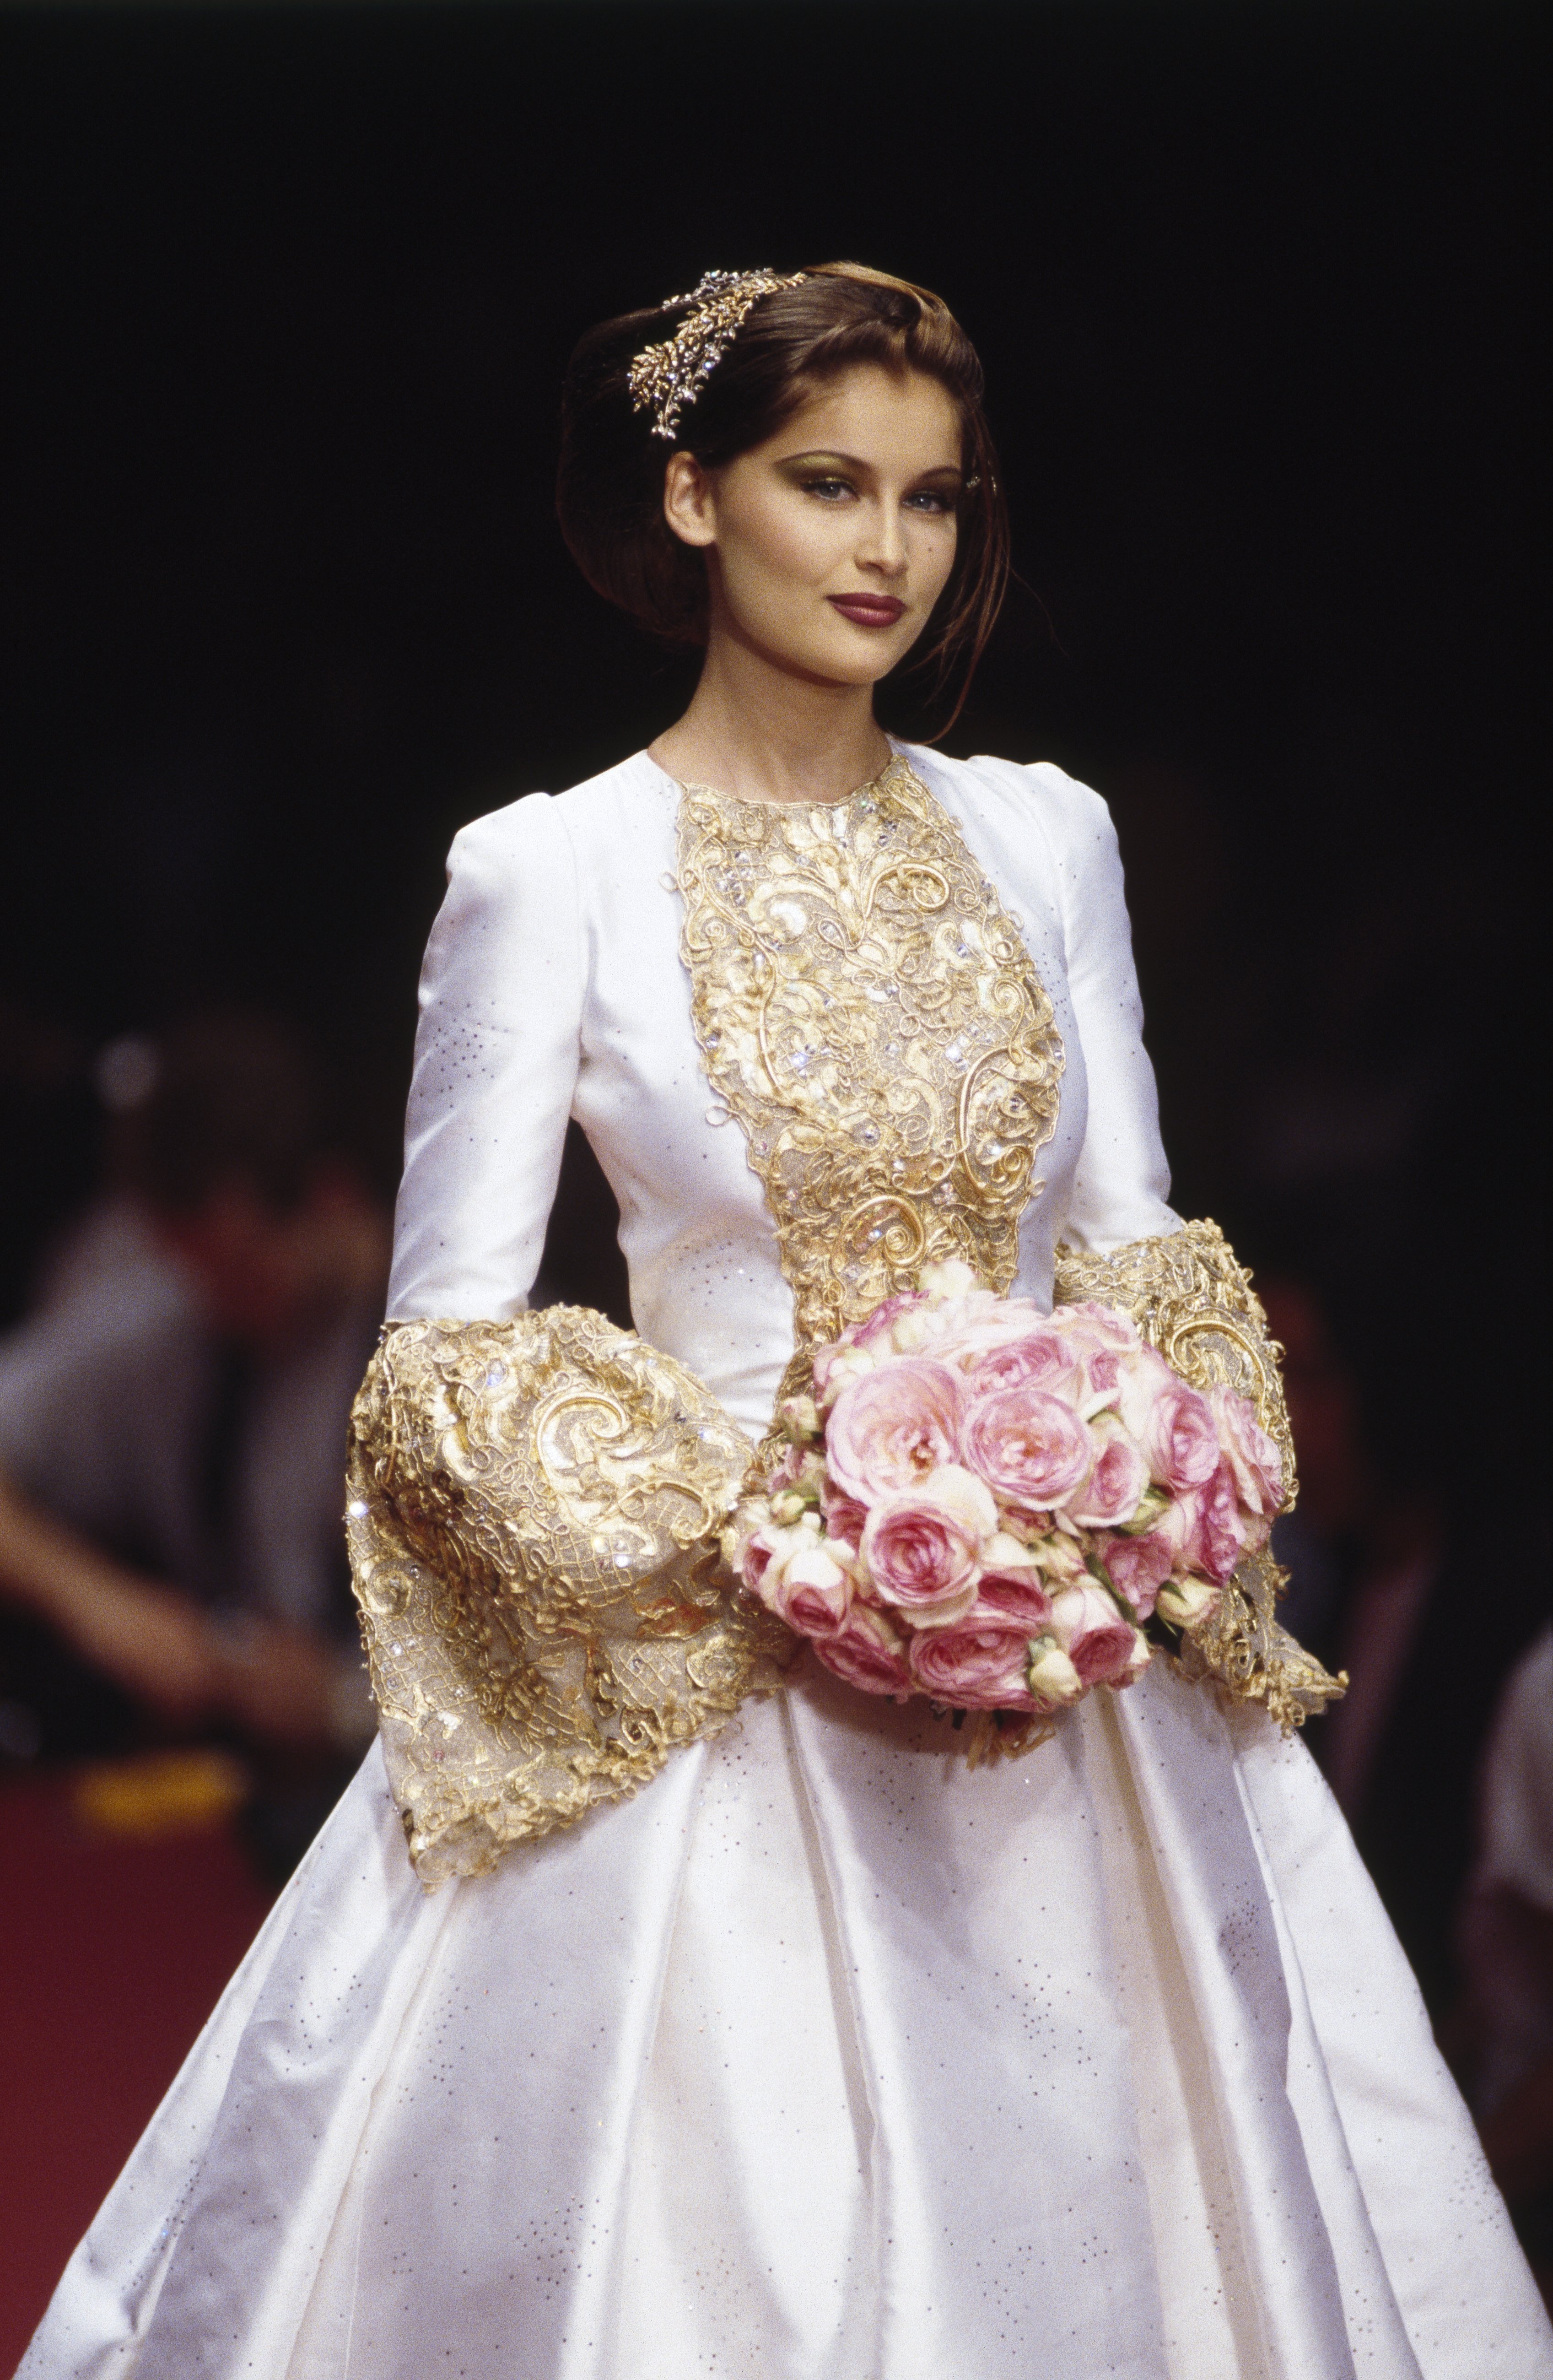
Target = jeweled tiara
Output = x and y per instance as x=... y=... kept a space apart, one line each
x=668 y=377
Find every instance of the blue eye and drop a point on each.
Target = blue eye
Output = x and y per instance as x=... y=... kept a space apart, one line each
x=930 y=500
x=827 y=490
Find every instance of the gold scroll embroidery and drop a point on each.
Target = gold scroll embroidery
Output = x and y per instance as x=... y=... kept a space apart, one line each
x=868 y=1014
x=1190 y=1298
x=533 y=1515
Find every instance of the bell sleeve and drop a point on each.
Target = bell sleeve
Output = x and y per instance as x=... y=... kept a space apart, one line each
x=533 y=1499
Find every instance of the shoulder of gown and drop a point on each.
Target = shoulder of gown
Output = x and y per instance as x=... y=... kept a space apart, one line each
x=1052 y=837
x=532 y=889
x=1074 y=835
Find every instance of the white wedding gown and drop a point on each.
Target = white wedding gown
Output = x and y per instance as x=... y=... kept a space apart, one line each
x=825 y=2056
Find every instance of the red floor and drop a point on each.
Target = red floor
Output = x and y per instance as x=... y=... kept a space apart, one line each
x=113 y=1953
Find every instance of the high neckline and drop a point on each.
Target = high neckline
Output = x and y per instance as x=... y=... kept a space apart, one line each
x=763 y=802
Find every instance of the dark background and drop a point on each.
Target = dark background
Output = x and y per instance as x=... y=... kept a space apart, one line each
x=289 y=296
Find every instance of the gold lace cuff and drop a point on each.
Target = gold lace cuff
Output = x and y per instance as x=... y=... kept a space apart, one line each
x=533 y=1510
x=1189 y=1298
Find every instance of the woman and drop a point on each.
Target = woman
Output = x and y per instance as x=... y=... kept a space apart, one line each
x=825 y=2054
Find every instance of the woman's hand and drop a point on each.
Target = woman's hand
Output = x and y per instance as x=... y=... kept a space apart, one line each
x=282 y=1685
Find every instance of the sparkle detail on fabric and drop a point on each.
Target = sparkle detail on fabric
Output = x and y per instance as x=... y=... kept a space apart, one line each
x=532 y=1512
x=867 y=1012
x=1189 y=1298
x=664 y=378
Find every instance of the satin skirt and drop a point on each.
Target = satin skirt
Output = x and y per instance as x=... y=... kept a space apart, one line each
x=828 y=2059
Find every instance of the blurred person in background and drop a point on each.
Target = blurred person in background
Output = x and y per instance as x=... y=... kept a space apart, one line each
x=1502 y=2038
x=172 y=1429
x=1386 y=1553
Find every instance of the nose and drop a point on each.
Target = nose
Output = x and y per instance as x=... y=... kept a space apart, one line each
x=884 y=546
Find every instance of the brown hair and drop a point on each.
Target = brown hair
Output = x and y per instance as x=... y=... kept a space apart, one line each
x=610 y=494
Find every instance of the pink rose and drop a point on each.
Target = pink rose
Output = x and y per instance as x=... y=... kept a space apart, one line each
x=1012 y=1584
x=890 y=1428
x=1142 y=1377
x=1253 y=1457
x=766 y=1553
x=900 y=1325
x=878 y=1333
x=1022 y=1602
x=1205 y=1528
x=958 y=1301
x=1180 y=1437
x=1115 y=1487
x=923 y=1551
x=1139 y=1567
x=1104 y=1648
x=787 y=1472
x=1091 y=1325
x=1019 y=1352
x=1103 y=1345
x=979 y=1664
x=836 y=1368
x=845 y=1516
x=1031 y=1448
x=813 y=1593
x=794 y=1483
x=867 y=1652
x=1224 y=1532
x=1007 y=1345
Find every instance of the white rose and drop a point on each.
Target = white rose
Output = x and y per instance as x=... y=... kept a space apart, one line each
x=953 y=1278
x=1060 y=1558
x=1053 y=1679
x=1187 y=1602
x=800 y=1418
x=1008 y=1556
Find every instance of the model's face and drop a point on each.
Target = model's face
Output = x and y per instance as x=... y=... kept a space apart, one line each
x=828 y=547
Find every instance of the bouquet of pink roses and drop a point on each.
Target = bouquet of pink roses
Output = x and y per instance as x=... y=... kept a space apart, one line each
x=998 y=1507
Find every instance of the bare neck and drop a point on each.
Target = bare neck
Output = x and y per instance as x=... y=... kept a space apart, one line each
x=764 y=734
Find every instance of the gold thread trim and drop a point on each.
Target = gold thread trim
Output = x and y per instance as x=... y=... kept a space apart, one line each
x=1190 y=1298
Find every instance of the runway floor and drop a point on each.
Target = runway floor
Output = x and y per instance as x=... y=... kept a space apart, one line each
x=126 y=1901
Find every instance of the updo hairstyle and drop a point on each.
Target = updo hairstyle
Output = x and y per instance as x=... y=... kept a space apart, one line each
x=610 y=494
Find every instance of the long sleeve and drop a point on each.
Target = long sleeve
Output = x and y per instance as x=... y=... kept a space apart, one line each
x=1123 y=1182
x=496 y=1061
x=533 y=1498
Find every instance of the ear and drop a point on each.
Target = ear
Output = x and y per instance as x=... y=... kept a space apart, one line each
x=689 y=505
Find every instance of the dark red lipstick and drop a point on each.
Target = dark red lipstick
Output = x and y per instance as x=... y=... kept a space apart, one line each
x=868 y=611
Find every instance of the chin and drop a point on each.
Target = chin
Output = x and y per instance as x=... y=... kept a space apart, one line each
x=856 y=657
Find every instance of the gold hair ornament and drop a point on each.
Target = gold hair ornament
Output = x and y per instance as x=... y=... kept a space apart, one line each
x=668 y=377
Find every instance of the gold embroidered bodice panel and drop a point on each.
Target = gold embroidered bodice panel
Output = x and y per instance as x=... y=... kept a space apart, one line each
x=867 y=1011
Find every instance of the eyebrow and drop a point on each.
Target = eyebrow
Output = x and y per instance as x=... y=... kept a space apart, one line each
x=855 y=463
